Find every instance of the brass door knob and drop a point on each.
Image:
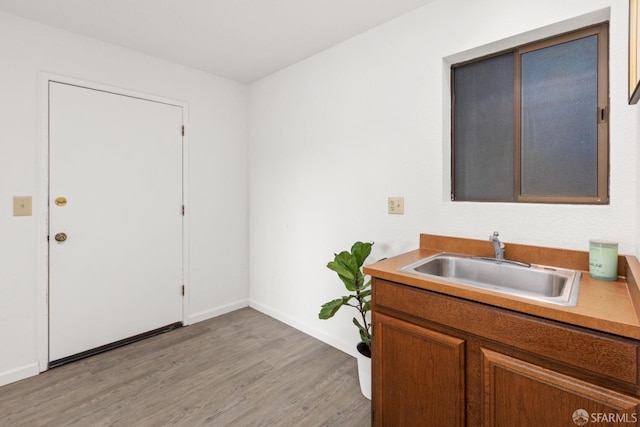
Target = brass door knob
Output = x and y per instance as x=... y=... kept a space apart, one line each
x=61 y=237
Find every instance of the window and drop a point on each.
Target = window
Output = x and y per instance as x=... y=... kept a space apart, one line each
x=531 y=124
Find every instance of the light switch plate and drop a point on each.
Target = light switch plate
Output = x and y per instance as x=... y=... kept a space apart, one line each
x=22 y=206
x=396 y=205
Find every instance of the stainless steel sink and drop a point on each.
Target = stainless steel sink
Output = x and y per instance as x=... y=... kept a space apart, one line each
x=542 y=283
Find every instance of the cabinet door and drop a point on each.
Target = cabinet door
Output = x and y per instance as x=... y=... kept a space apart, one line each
x=517 y=393
x=418 y=375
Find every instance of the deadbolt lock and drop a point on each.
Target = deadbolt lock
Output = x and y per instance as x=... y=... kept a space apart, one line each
x=61 y=201
x=61 y=237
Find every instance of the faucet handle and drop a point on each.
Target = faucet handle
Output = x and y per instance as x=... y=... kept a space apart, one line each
x=498 y=246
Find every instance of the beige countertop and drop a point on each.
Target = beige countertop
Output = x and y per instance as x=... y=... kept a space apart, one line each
x=606 y=306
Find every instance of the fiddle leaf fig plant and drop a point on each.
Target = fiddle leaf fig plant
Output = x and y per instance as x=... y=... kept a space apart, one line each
x=348 y=266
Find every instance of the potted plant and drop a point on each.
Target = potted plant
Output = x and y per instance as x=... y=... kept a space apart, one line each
x=348 y=267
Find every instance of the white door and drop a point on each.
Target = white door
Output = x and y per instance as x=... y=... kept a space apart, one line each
x=115 y=191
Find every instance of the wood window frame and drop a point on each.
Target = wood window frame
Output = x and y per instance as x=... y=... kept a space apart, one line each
x=602 y=196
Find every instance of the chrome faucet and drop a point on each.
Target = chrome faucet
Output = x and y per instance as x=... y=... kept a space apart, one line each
x=498 y=246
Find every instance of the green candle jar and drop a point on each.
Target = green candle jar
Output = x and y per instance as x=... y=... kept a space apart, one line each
x=603 y=259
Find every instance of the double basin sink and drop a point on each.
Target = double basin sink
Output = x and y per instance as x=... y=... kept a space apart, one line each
x=541 y=283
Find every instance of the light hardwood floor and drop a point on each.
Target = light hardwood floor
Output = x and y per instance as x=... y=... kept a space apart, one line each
x=239 y=369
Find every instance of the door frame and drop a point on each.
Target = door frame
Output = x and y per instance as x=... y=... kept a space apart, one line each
x=41 y=202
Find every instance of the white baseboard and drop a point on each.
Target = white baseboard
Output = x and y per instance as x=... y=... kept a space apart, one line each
x=346 y=347
x=18 y=374
x=217 y=311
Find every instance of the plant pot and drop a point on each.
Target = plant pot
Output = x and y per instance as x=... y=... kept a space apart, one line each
x=364 y=369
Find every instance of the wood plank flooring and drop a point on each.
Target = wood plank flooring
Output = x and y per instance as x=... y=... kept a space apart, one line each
x=240 y=369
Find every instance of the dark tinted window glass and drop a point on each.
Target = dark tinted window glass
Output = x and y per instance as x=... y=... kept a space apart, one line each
x=483 y=128
x=559 y=120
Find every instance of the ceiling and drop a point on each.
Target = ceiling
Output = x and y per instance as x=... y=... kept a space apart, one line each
x=243 y=40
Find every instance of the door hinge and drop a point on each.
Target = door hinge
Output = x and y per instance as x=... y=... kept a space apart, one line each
x=182 y=290
x=182 y=210
x=182 y=130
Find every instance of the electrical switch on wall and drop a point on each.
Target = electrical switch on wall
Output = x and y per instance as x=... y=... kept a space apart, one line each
x=396 y=205
x=22 y=206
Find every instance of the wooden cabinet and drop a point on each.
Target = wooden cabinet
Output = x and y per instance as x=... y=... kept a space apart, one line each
x=525 y=394
x=422 y=369
x=444 y=361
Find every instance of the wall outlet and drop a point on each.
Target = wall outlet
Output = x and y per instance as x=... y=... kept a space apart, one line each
x=396 y=205
x=22 y=206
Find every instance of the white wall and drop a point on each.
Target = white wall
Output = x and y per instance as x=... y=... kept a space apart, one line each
x=217 y=136
x=333 y=136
